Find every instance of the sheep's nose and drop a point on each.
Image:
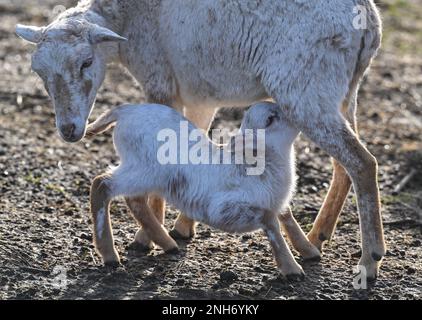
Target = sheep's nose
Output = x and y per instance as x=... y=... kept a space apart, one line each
x=68 y=130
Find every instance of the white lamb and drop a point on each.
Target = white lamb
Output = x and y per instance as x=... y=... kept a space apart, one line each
x=223 y=196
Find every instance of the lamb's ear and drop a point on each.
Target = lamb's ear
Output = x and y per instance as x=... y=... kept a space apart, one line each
x=30 y=33
x=99 y=34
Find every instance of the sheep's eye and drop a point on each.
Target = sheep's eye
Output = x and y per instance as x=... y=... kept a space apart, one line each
x=86 y=64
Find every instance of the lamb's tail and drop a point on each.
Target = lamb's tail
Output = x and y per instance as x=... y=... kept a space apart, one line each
x=105 y=122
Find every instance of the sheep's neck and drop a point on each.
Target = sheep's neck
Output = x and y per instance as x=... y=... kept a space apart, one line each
x=134 y=19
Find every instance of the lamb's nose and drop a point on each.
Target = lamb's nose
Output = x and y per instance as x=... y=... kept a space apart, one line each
x=68 y=130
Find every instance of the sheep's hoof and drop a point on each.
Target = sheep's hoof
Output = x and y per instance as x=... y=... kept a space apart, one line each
x=139 y=247
x=295 y=277
x=176 y=235
x=369 y=269
x=294 y=273
x=316 y=258
x=318 y=240
x=312 y=255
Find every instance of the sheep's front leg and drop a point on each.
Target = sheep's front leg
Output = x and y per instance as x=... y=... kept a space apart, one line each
x=283 y=256
x=297 y=237
x=103 y=235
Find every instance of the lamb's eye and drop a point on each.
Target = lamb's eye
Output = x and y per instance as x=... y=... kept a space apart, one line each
x=86 y=65
x=270 y=120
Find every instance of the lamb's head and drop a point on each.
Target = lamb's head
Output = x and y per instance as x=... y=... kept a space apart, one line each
x=71 y=59
x=269 y=117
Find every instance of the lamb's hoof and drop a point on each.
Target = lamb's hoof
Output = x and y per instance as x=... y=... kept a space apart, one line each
x=112 y=265
x=176 y=235
x=139 y=247
x=174 y=251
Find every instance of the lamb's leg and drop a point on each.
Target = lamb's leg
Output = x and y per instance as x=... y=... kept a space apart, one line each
x=156 y=204
x=337 y=139
x=184 y=227
x=326 y=221
x=142 y=241
x=153 y=229
x=282 y=254
x=103 y=236
x=297 y=237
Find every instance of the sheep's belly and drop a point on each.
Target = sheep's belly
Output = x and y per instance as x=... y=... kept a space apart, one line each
x=218 y=87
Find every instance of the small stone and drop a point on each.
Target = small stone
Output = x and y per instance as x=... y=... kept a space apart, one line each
x=416 y=243
x=86 y=236
x=180 y=282
x=49 y=209
x=246 y=237
x=215 y=286
x=206 y=234
x=228 y=276
x=259 y=269
x=245 y=292
x=411 y=270
x=68 y=213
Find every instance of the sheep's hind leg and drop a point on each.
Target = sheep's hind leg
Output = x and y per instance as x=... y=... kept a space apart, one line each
x=283 y=256
x=297 y=237
x=103 y=236
x=338 y=140
x=153 y=229
x=326 y=220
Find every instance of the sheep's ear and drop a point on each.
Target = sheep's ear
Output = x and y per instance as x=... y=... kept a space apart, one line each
x=30 y=33
x=99 y=34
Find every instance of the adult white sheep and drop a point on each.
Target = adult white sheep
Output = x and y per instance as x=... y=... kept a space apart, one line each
x=224 y=195
x=308 y=55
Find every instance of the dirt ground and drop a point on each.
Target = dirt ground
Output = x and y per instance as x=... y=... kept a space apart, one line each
x=45 y=228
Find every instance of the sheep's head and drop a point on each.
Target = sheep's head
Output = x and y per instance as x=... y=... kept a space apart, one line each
x=71 y=61
x=269 y=117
